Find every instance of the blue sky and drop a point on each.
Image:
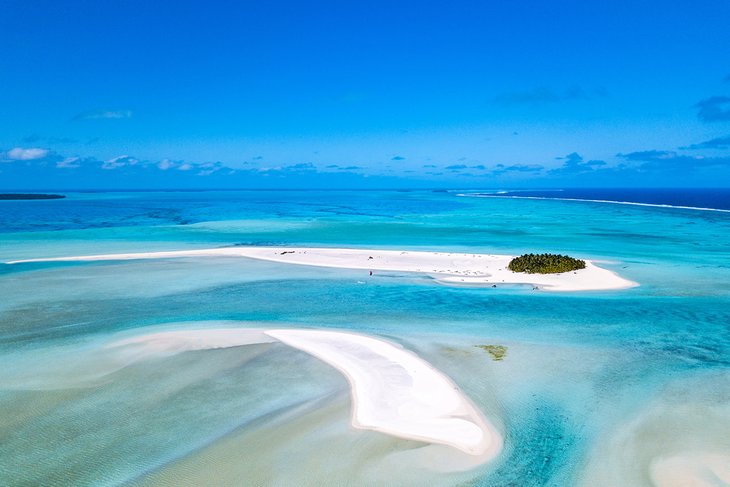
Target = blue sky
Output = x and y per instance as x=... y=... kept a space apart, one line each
x=132 y=94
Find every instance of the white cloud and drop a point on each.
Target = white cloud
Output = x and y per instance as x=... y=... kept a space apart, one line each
x=165 y=164
x=204 y=167
x=21 y=154
x=104 y=115
x=119 y=161
x=208 y=168
x=69 y=163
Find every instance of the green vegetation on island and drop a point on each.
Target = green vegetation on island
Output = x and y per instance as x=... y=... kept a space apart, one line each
x=545 y=264
x=497 y=352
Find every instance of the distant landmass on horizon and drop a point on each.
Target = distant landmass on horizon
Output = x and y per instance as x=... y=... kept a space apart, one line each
x=30 y=196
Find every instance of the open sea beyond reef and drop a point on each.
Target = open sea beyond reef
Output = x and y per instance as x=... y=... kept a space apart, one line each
x=618 y=388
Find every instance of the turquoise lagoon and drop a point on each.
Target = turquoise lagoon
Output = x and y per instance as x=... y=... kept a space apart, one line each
x=596 y=389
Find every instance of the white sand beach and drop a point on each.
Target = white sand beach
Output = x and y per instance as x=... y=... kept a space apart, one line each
x=445 y=267
x=396 y=392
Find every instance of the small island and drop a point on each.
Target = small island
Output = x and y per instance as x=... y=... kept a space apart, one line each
x=545 y=264
x=30 y=196
x=445 y=268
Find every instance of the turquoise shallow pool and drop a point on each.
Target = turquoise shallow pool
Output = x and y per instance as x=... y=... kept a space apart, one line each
x=609 y=388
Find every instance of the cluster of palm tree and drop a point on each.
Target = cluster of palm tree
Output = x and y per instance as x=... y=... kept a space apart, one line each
x=545 y=264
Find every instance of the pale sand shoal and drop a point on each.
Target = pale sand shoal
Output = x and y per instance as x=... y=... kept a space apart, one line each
x=393 y=390
x=696 y=469
x=451 y=268
x=396 y=392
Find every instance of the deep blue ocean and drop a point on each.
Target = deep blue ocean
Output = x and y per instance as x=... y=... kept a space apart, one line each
x=619 y=388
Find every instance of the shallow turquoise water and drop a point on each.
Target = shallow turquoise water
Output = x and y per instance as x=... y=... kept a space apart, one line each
x=584 y=375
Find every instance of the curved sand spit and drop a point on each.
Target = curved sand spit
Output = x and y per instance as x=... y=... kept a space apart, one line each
x=393 y=390
x=396 y=392
x=452 y=268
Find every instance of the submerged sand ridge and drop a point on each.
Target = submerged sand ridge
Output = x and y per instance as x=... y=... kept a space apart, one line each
x=450 y=268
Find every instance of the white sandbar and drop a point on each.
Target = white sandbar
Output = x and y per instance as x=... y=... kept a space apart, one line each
x=393 y=390
x=446 y=267
x=396 y=392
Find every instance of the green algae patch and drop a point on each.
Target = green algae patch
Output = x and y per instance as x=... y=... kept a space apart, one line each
x=498 y=352
x=456 y=351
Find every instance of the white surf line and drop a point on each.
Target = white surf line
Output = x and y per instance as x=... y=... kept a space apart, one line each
x=396 y=392
x=632 y=203
x=393 y=390
x=447 y=267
